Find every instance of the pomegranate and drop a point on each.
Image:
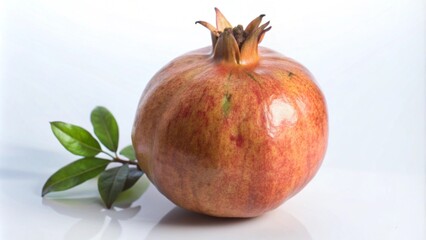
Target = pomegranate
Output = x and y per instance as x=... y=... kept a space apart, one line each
x=231 y=130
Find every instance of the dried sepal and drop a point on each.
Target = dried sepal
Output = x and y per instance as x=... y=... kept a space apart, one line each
x=221 y=21
x=227 y=49
x=208 y=26
x=214 y=32
x=263 y=34
x=254 y=24
x=249 y=53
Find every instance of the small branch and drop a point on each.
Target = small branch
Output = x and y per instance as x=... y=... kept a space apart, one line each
x=119 y=160
x=124 y=161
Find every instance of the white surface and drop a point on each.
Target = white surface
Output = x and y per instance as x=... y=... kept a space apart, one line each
x=58 y=60
x=338 y=204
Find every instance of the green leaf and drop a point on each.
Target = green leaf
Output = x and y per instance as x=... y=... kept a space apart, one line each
x=132 y=177
x=76 y=139
x=105 y=127
x=128 y=152
x=111 y=183
x=74 y=174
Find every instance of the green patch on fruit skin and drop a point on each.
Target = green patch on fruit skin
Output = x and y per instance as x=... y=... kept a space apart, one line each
x=226 y=103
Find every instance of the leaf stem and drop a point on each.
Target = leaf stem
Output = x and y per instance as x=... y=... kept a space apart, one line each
x=109 y=154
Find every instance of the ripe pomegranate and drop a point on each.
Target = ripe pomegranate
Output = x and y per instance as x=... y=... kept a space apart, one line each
x=231 y=130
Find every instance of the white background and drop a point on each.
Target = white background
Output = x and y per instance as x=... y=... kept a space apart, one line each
x=60 y=59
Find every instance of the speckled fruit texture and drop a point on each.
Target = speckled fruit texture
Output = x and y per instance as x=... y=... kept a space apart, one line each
x=227 y=137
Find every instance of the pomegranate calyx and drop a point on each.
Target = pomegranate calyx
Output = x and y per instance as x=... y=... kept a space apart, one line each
x=236 y=45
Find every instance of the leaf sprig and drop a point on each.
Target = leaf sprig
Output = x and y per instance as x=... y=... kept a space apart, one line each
x=80 y=142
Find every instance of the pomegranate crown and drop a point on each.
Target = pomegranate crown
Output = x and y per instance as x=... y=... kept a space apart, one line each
x=236 y=45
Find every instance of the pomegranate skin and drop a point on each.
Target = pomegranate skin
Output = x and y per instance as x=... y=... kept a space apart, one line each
x=231 y=140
